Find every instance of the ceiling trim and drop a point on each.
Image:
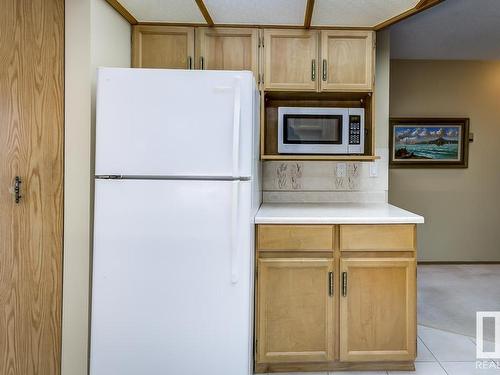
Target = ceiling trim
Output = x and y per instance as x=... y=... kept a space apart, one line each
x=204 y=12
x=421 y=6
x=254 y=26
x=123 y=11
x=309 y=14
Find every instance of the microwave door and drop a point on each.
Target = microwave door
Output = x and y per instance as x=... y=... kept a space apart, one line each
x=312 y=130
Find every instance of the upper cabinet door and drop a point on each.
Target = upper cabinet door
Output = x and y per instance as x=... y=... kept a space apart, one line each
x=347 y=60
x=227 y=49
x=290 y=60
x=377 y=309
x=162 y=47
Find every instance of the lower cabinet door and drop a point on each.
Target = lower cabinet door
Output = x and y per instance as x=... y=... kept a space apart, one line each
x=377 y=309
x=295 y=310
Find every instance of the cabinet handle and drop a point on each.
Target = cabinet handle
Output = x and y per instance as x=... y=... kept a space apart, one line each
x=324 y=69
x=344 y=284
x=330 y=284
x=17 y=189
x=190 y=62
x=313 y=70
x=202 y=63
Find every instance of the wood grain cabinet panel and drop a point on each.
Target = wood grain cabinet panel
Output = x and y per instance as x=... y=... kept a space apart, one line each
x=295 y=311
x=165 y=47
x=379 y=237
x=347 y=60
x=378 y=310
x=227 y=49
x=295 y=237
x=290 y=60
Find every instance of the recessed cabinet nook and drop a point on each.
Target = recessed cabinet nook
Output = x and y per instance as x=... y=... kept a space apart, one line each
x=293 y=67
x=327 y=296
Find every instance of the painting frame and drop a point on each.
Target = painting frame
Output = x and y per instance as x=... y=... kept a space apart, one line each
x=412 y=159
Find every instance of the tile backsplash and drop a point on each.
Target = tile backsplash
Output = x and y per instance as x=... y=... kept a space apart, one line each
x=323 y=181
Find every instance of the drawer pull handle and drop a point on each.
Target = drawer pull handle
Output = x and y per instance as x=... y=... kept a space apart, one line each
x=344 y=284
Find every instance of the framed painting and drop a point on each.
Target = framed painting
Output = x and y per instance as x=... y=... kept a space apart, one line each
x=428 y=142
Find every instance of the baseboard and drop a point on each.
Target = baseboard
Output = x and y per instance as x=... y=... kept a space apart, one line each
x=425 y=262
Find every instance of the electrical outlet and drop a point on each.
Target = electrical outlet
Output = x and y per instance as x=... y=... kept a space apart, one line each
x=341 y=170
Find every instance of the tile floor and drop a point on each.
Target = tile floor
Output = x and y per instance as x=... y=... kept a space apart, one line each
x=439 y=353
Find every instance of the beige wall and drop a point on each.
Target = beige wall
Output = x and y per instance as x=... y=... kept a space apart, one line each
x=312 y=181
x=95 y=35
x=461 y=206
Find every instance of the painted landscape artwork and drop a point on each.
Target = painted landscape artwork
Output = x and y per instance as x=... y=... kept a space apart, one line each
x=427 y=142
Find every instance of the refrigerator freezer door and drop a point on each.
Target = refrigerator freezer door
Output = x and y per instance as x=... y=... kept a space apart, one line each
x=155 y=122
x=172 y=278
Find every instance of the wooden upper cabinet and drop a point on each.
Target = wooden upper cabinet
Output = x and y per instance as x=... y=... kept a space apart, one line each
x=162 y=47
x=347 y=60
x=378 y=309
x=295 y=310
x=227 y=49
x=290 y=60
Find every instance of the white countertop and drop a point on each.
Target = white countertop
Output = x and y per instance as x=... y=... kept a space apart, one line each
x=334 y=213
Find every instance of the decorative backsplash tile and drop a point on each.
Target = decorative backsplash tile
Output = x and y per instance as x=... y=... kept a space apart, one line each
x=320 y=181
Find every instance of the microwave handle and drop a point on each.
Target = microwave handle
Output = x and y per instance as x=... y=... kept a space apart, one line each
x=236 y=126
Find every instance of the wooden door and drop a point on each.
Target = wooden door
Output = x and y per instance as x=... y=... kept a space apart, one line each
x=347 y=60
x=168 y=47
x=31 y=146
x=295 y=316
x=290 y=60
x=378 y=309
x=227 y=49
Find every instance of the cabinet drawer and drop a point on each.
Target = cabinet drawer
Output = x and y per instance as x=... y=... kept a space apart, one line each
x=295 y=237
x=377 y=237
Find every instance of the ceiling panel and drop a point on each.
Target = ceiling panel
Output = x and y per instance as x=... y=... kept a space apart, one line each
x=363 y=13
x=164 y=10
x=261 y=12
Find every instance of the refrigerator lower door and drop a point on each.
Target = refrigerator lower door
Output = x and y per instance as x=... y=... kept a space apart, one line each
x=172 y=278
x=160 y=122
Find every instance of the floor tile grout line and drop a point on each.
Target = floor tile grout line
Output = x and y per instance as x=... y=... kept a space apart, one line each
x=437 y=360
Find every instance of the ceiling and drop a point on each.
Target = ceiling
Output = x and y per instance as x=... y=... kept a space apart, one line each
x=453 y=30
x=325 y=13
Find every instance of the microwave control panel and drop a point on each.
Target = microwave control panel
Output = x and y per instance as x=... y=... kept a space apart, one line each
x=354 y=129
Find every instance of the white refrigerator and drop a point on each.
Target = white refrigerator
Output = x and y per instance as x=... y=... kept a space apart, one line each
x=176 y=191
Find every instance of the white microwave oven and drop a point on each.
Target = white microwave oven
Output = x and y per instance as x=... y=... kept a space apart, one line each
x=306 y=130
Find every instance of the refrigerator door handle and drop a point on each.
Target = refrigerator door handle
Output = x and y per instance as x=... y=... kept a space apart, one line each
x=236 y=127
x=235 y=241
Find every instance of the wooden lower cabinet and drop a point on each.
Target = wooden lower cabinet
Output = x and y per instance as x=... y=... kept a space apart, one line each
x=328 y=299
x=295 y=311
x=378 y=309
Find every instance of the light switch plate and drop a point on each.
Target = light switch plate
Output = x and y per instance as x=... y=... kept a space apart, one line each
x=341 y=170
